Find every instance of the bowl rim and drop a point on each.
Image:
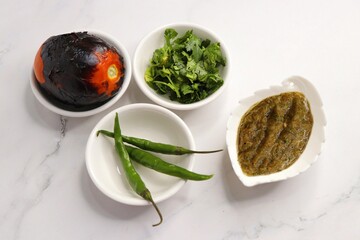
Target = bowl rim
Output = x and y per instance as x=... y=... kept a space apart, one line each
x=127 y=78
x=295 y=83
x=150 y=93
x=137 y=201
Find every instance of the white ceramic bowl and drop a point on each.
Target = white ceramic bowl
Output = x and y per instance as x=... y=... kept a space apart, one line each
x=313 y=148
x=127 y=63
x=155 y=40
x=145 y=121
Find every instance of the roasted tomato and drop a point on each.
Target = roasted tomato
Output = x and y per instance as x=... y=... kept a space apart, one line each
x=78 y=71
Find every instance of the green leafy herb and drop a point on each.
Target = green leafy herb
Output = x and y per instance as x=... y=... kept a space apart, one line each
x=186 y=67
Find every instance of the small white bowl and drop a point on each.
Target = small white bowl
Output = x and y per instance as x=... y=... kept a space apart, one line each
x=155 y=40
x=127 y=63
x=147 y=121
x=313 y=148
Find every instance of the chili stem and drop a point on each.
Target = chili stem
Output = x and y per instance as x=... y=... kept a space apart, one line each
x=148 y=197
x=131 y=174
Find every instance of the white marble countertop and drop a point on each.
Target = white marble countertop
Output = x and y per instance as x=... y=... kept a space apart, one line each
x=46 y=192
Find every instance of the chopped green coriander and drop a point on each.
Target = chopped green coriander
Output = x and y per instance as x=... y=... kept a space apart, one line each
x=186 y=68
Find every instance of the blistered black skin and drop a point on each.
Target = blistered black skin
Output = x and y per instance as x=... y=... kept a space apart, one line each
x=69 y=62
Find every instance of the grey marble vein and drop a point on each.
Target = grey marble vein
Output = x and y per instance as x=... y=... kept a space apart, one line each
x=31 y=203
x=258 y=229
x=38 y=179
x=353 y=191
x=299 y=224
x=63 y=121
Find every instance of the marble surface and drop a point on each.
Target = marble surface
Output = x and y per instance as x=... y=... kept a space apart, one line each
x=46 y=192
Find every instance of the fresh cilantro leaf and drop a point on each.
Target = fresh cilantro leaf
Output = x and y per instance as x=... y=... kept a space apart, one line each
x=161 y=57
x=197 y=53
x=191 y=42
x=181 y=40
x=169 y=34
x=213 y=57
x=186 y=89
x=186 y=68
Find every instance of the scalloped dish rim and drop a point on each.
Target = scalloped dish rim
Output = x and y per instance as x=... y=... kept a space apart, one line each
x=316 y=140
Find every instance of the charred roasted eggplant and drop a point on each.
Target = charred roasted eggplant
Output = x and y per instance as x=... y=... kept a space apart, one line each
x=78 y=71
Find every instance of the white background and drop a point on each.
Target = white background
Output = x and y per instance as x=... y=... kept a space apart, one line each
x=46 y=192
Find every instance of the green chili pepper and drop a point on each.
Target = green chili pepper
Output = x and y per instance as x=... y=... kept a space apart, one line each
x=157 y=164
x=155 y=146
x=132 y=176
